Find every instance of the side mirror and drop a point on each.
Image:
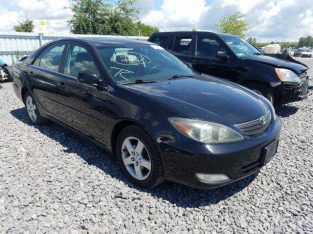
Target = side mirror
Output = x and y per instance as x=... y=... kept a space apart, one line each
x=89 y=78
x=222 y=55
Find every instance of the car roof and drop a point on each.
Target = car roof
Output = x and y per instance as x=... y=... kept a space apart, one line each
x=192 y=33
x=107 y=41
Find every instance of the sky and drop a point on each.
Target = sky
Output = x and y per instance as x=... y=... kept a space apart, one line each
x=269 y=20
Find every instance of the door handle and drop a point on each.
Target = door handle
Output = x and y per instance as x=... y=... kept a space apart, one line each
x=62 y=83
x=86 y=93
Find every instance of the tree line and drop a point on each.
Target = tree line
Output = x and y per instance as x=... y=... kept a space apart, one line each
x=306 y=41
x=122 y=18
x=102 y=17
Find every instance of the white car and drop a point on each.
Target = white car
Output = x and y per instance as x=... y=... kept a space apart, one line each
x=303 y=53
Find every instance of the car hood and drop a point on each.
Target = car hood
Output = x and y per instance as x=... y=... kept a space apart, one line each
x=276 y=62
x=205 y=98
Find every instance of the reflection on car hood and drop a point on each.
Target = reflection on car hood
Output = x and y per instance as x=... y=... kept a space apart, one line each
x=207 y=99
x=276 y=62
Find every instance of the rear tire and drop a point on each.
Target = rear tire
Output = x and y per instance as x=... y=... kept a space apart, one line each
x=33 y=113
x=139 y=157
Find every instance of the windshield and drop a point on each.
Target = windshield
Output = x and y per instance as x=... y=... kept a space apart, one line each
x=239 y=46
x=130 y=63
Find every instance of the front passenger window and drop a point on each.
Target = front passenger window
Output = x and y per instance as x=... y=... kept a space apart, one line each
x=79 y=60
x=208 y=47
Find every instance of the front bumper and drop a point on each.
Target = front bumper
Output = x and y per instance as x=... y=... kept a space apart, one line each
x=293 y=93
x=183 y=160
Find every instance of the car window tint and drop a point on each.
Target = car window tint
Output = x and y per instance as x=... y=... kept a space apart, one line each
x=208 y=47
x=79 y=60
x=51 y=58
x=182 y=45
x=161 y=41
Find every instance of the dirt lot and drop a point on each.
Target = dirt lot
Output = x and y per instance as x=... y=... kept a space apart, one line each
x=53 y=181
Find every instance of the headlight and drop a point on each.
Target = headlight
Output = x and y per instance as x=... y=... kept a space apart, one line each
x=287 y=75
x=205 y=132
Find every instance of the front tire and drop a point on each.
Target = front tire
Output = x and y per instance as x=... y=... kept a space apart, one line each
x=139 y=157
x=32 y=110
x=263 y=90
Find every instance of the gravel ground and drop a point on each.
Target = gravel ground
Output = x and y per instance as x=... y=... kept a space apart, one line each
x=53 y=181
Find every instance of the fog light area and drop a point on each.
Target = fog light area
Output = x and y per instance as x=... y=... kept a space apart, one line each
x=212 y=178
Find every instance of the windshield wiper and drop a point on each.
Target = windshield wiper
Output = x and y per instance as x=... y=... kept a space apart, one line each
x=181 y=76
x=141 y=82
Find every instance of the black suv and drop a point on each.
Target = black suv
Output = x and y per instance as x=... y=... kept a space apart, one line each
x=234 y=59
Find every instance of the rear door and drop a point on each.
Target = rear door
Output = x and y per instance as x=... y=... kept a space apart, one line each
x=82 y=104
x=44 y=75
x=184 y=47
x=162 y=40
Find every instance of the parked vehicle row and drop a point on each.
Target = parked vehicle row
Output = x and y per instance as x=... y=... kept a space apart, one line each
x=303 y=53
x=232 y=58
x=161 y=119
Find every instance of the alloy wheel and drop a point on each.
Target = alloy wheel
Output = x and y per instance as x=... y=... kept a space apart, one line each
x=31 y=108
x=136 y=158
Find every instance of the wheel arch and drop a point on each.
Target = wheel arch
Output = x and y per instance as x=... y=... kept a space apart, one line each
x=257 y=84
x=122 y=125
x=118 y=128
x=23 y=92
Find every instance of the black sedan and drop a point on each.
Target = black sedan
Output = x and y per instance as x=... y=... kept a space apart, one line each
x=160 y=119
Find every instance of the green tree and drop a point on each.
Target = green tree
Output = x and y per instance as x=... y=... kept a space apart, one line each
x=234 y=24
x=301 y=41
x=25 y=26
x=90 y=17
x=305 y=41
x=252 y=41
x=145 y=30
x=102 y=17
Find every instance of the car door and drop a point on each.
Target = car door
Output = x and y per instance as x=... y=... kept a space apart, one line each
x=44 y=76
x=208 y=62
x=82 y=105
x=184 y=48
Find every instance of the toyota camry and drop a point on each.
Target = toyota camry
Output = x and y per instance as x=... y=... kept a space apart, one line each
x=162 y=120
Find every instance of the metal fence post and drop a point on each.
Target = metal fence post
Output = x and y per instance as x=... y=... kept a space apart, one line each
x=40 y=38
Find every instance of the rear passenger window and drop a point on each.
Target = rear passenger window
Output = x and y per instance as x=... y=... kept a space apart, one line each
x=208 y=47
x=51 y=58
x=161 y=41
x=182 y=45
x=79 y=60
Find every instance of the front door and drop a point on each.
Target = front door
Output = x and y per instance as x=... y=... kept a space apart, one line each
x=207 y=61
x=82 y=104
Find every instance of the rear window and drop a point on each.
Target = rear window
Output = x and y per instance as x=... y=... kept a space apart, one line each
x=161 y=41
x=182 y=45
x=50 y=59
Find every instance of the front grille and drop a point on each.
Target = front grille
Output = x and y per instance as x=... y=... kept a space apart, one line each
x=256 y=127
